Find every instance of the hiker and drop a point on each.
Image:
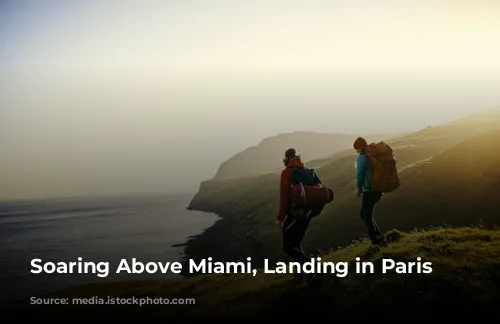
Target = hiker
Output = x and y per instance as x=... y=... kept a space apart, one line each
x=294 y=221
x=369 y=198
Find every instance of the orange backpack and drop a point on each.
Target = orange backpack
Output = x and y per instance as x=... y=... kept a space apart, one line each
x=385 y=176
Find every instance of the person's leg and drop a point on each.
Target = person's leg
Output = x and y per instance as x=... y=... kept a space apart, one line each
x=368 y=214
x=369 y=199
x=294 y=230
x=378 y=232
x=293 y=233
x=380 y=236
x=288 y=241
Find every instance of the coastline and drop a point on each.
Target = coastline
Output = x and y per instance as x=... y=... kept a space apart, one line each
x=49 y=230
x=232 y=238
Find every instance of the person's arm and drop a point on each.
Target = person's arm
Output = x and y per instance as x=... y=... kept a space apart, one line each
x=285 y=183
x=360 y=172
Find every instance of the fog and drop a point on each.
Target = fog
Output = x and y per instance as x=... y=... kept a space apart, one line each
x=104 y=97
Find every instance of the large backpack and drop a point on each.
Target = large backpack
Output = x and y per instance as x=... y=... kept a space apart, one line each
x=385 y=176
x=308 y=192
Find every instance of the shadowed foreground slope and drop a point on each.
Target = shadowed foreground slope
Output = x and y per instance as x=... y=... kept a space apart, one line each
x=465 y=282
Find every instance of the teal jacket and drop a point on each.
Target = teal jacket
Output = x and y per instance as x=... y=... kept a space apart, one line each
x=363 y=172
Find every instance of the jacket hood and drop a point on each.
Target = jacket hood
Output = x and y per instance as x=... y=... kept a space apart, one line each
x=295 y=163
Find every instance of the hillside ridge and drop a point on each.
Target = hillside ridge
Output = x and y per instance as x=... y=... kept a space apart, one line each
x=248 y=205
x=266 y=155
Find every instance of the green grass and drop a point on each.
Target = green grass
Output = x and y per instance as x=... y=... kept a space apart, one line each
x=465 y=279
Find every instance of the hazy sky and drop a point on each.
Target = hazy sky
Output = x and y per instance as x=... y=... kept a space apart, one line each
x=122 y=96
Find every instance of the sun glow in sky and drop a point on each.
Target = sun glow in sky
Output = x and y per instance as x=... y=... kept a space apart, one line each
x=87 y=85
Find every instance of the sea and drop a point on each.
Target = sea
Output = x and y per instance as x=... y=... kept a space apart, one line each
x=150 y=228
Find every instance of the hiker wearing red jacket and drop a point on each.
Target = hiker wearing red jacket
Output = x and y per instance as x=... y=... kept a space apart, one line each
x=293 y=222
x=291 y=160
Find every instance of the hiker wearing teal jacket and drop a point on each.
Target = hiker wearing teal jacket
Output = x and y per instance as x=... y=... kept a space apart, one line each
x=363 y=172
x=369 y=198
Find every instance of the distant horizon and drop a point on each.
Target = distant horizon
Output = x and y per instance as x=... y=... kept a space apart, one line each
x=97 y=196
x=194 y=191
x=106 y=96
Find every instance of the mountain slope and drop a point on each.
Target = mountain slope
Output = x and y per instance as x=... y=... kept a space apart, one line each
x=266 y=156
x=457 y=187
x=448 y=176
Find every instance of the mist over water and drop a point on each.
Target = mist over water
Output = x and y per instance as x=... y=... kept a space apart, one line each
x=95 y=229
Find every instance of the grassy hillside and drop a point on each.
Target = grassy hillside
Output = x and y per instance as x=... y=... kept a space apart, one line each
x=465 y=282
x=449 y=175
x=266 y=156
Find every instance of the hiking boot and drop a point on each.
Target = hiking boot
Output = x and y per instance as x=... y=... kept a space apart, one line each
x=382 y=242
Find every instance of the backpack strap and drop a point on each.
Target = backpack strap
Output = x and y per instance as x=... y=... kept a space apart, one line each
x=317 y=178
x=303 y=190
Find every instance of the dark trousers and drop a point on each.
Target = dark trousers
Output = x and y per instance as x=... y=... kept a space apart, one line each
x=369 y=201
x=294 y=230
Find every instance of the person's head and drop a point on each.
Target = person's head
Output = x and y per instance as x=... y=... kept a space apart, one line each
x=290 y=154
x=359 y=144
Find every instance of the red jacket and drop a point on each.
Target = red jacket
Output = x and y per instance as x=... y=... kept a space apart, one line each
x=285 y=185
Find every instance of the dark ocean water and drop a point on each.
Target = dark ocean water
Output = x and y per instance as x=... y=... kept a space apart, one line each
x=95 y=229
